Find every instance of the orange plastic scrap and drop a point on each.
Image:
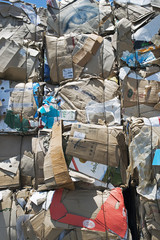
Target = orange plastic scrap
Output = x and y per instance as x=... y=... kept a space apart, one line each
x=144 y=50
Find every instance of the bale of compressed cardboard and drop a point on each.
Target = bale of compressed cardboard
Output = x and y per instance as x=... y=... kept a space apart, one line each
x=143 y=144
x=72 y=56
x=79 y=95
x=81 y=214
x=12 y=153
x=17 y=62
x=19 y=106
x=150 y=218
x=99 y=144
x=82 y=16
x=95 y=143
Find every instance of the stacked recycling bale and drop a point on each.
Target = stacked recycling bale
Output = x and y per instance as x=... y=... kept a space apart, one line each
x=139 y=75
x=21 y=93
x=143 y=172
x=87 y=152
x=64 y=176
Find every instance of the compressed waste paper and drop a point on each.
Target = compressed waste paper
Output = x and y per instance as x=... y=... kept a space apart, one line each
x=78 y=16
x=79 y=120
x=81 y=54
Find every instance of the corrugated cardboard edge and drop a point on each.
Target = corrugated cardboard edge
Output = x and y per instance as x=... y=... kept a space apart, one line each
x=55 y=157
x=91 y=45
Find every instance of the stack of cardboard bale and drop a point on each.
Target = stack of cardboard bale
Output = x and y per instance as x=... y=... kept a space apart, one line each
x=79 y=120
x=139 y=76
x=80 y=155
x=21 y=94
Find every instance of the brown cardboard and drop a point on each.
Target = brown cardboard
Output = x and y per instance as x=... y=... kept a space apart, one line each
x=8 y=216
x=122 y=38
x=77 y=95
x=12 y=146
x=77 y=234
x=37 y=227
x=16 y=63
x=72 y=56
x=82 y=57
x=39 y=161
x=90 y=47
x=56 y=174
x=40 y=147
x=16 y=74
x=7 y=181
x=97 y=42
x=42 y=226
x=141 y=110
x=99 y=144
x=136 y=91
x=18 y=106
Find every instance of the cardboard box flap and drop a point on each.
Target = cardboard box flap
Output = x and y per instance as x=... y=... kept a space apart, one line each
x=55 y=166
x=90 y=47
x=10 y=166
x=15 y=74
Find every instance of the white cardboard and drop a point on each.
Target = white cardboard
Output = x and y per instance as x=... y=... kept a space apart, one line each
x=137 y=2
x=48 y=201
x=123 y=72
x=92 y=169
x=38 y=197
x=148 y=31
x=10 y=165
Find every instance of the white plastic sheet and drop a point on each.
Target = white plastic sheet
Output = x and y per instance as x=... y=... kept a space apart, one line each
x=108 y=111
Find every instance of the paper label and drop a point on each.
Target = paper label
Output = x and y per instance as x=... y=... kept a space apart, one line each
x=153 y=121
x=68 y=73
x=68 y=115
x=88 y=224
x=79 y=135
